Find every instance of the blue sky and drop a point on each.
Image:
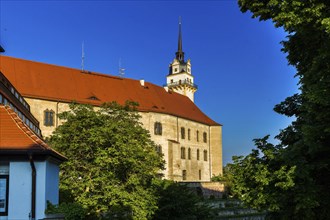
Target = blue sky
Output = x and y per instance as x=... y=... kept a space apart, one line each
x=236 y=61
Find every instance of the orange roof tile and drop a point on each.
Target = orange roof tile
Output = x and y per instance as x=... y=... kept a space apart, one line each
x=16 y=136
x=50 y=82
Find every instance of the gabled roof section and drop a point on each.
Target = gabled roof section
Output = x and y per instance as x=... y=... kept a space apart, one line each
x=16 y=137
x=50 y=82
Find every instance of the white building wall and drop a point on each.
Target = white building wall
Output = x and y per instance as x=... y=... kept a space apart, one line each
x=20 y=185
x=52 y=182
x=20 y=189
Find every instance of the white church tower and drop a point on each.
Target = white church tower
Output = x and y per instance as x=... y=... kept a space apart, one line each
x=179 y=78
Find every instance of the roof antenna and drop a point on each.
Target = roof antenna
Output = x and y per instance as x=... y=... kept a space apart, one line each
x=121 y=70
x=82 y=57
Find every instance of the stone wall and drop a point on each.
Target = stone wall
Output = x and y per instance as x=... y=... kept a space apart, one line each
x=171 y=141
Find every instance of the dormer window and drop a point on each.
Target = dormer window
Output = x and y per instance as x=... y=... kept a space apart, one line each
x=93 y=98
x=176 y=70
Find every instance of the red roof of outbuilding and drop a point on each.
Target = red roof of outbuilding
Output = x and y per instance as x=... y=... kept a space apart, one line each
x=15 y=136
x=50 y=82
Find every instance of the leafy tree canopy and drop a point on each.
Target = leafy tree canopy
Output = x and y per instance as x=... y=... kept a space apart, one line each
x=303 y=152
x=112 y=161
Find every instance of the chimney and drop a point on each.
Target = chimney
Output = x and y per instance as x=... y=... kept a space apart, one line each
x=142 y=82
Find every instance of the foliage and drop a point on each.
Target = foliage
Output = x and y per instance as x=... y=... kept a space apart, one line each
x=304 y=150
x=111 y=161
x=227 y=179
x=71 y=211
x=178 y=201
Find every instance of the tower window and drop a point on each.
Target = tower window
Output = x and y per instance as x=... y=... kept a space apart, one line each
x=205 y=155
x=175 y=70
x=183 y=153
x=49 y=117
x=204 y=137
x=158 y=128
x=183 y=135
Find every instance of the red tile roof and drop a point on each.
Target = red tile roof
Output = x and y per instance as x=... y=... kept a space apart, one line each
x=50 y=82
x=15 y=136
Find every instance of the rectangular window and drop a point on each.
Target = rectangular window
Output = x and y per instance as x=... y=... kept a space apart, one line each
x=197 y=154
x=188 y=133
x=184 y=174
x=205 y=155
x=200 y=174
x=183 y=135
x=183 y=153
x=189 y=153
x=197 y=136
x=159 y=149
x=49 y=117
x=205 y=137
x=158 y=128
x=4 y=190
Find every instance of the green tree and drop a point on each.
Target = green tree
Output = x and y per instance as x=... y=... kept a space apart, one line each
x=112 y=161
x=304 y=145
x=178 y=201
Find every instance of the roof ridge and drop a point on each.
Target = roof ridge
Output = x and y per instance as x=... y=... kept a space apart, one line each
x=69 y=68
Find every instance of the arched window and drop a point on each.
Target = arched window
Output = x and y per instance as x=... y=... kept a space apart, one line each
x=204 y=137
x=49 y=117
x=197 y=154
x=189 y=153
x=183 y=135
x=183 y=153
x=158 y=128
x=205 y=155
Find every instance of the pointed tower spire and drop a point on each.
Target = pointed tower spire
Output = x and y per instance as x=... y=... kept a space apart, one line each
x=180 y=54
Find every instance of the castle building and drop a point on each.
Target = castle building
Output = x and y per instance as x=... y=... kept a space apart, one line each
x=189 y=140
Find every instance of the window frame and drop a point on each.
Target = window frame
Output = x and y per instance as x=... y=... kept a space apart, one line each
x=158 y=128
x=205 y=155
x=49 y=118
x=183 y=153
x=189 y=153
x=183 y=133
x=204 y=137
x=184 y=174
x=5 y=211
x=159 y=149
